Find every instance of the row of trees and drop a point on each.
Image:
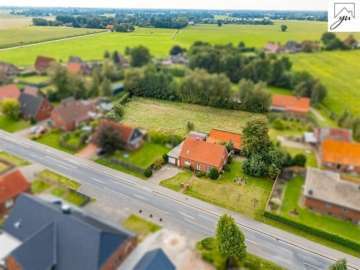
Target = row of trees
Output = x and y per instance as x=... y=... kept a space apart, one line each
x=332 y=42
x=259 y=67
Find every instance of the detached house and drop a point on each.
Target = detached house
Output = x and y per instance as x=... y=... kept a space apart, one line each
x=42 y=63
x=327 y=193
x=12 y=184
x=321 y=134
x=78 y=68
x=132 y=138
x=296 y=106
x=34 y=106
x=199 y=155
x=10 y=91
x=43 y=236
x=340 y=155
x=223 y=137
x=70 y=113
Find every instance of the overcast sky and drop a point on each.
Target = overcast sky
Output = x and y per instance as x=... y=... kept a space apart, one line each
x=179 y=4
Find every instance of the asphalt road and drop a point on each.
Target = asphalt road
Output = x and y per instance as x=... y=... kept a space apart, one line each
x=188 y=214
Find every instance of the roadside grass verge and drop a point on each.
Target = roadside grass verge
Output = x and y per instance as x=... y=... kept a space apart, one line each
x=140 y=226
x=16 y=161
x=248 y=198
x=52 y=139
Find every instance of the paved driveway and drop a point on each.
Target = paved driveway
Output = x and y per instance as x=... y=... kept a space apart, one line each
x=164 y=173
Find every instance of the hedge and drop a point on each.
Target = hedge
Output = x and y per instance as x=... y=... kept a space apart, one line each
x=314 y=231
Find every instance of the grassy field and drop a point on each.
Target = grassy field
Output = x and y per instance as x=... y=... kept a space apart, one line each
x=339 y=72
x=327 y=223
x=10 y=125
x=248 y=199
x=172 y=117
x=159 y=41
x=8 y=21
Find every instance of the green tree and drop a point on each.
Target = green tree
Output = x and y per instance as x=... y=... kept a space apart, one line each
x=213 y=174
x=339 y=265
x=230 y=240
x=256 y=139
x=284 y=28
x=116 y=113
x=105 y=88
x=139 y=56
x=107 y=137
x=10 y=108
x=176 y=50
x=254 y=98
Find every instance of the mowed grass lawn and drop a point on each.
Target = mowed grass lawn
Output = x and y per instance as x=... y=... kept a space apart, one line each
x=172 y=117
x=339 y=72
x=159 y=41
x=32 y=34
x=52 y=139
x=330 y=224
x=248 y=199
x=10 y=125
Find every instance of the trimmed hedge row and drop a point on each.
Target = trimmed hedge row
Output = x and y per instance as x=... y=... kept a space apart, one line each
x=314 y=231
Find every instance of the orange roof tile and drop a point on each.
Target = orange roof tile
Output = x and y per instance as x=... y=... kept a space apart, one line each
x=12 y=184
x=341 y=152
x=291 y=103
x=74 y=68
x=204 y=152
x=221 y=136
x=9 y=91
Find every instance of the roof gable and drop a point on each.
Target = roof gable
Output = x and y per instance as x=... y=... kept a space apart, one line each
x=9 y=91
x=12 y=184
x=30 y=104
x=155 y=260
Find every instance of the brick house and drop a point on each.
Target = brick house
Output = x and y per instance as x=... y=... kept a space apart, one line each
x=340 y=155
x=131 y=138
x=53 y=236
x=78 y=68
x=34 y=106
x=201 y=156
x=70 y=113
x=42 y=63
x=12 y=184
x=295 y=106
x=10 y=91
x=223 y=137
x=327 y=193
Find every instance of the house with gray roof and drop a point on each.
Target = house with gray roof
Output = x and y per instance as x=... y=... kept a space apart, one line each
x=52 y=236
x=34 y=106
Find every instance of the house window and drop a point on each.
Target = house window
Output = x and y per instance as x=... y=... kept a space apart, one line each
x=198 y=167
x=9 y=204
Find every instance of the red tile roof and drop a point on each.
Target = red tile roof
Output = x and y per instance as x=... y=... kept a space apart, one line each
x=291 y=103
x=42 y=63
x=12 y=184
x=203 y=152
x=221 y=136
x=9 y=91
x=74 y=68
x=341 y=152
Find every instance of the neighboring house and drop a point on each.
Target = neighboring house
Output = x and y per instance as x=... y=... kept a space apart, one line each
x=155 y=260
x=35 y=107
x=9 y=70
x=53 y=236
x=296 y=106
x=223 y=137
x=70 y=113
x=132 y=138
x=10 y=91
x=31 y=90
x=340 y=155
x=321 y=134
x=327 y=193
x=292 y=47
x=78 y=68
x=202 y=156
x=272 y=47
x=12 y=184
x=42 y=63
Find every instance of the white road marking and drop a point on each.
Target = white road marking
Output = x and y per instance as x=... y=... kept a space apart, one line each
x=186 y=215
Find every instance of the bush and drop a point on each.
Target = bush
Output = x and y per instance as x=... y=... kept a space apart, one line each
x=278 y=124
x=227 y=168
x=199 y=174
x=163 y=138
x=158 y=164
x=213 y=174
x=315 y=231
x=299 y=160
x=165 y=158
x=148 y=172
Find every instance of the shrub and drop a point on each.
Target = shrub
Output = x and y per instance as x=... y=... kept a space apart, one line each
x=165 y=158
x=148 y=172
x=278 y=124
x=158 y=164
x=213 y=174
x=227 y=168
x=199 y=174
x=299 y=160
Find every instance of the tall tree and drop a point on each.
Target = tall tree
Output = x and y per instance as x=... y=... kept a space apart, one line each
x=230 y=240
x=284 y=28
x=108 y=138
x=255 y=137
x=10 y=108
x=105 y=88
x=139 y=56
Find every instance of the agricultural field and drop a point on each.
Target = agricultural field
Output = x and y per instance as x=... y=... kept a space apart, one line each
x=339 y=72
x=172 y=117
x=159 y=41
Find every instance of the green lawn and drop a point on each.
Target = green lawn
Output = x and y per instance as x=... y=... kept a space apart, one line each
x=32 y=34
x=55 y=178
x=160 y=41
x=172 y=117
x=10 y=125
x=140 y=226
x=339 y=72
x=327 y=223
x=36 y=79
x=52 y=139
x=18 y=162
x=249 y=199
x=39 y=186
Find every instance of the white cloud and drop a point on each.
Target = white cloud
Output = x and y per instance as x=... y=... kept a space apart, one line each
x=180 y=4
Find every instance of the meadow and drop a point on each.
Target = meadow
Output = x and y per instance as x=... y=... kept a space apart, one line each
x=159 y=41
x=339 y=72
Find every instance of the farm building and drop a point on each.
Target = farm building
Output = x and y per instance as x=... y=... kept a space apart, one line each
x=327 y=193
x=296 y=106
x=223 y=137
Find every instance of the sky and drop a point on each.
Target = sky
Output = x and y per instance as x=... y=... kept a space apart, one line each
x=178 y=4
